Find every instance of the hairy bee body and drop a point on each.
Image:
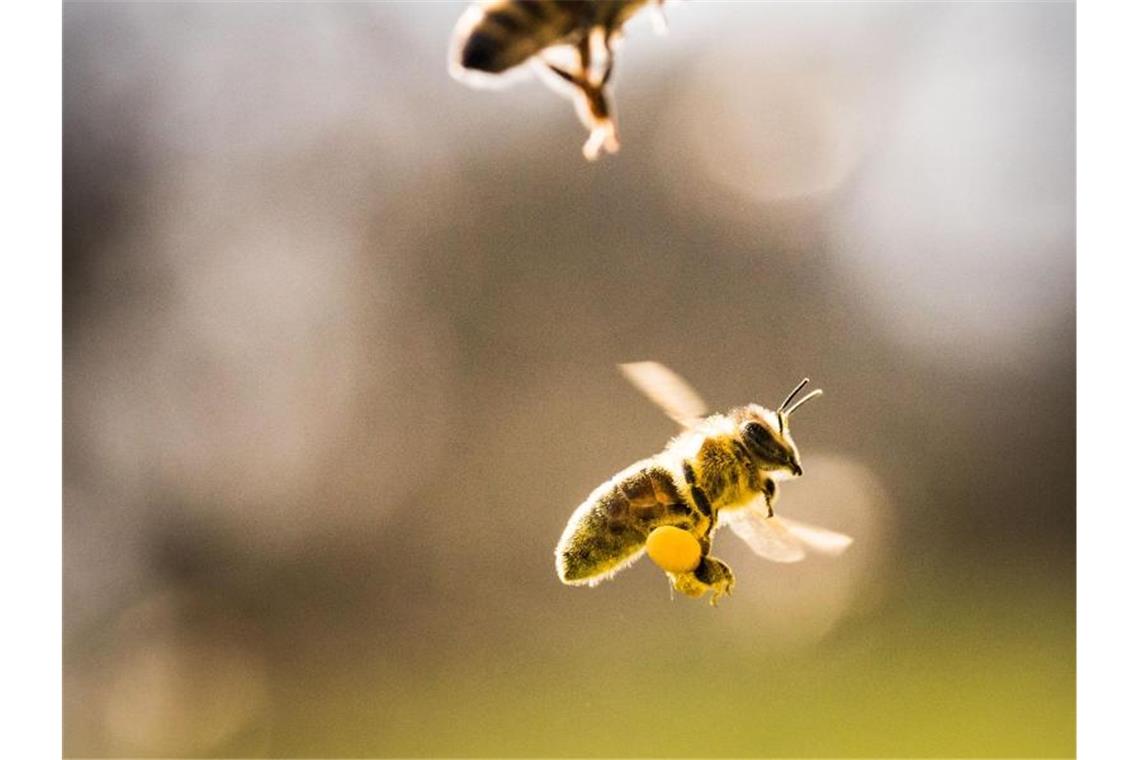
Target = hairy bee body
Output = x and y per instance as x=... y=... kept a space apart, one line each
x=508 y=32
x=700 y=473
x=496 y=36
x=609 y=529
x=723 y=468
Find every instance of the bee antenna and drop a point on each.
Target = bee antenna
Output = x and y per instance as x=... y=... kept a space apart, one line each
x=792 y=395
x=814 y=394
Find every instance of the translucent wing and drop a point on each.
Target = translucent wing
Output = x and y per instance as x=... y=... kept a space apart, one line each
x=781 y=539
x=818 y=539
x=767 y=536
x=666 y=389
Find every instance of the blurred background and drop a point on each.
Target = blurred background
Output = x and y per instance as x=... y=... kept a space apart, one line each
x=340 y=337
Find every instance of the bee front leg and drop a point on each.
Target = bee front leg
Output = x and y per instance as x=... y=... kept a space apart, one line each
x=770 y=495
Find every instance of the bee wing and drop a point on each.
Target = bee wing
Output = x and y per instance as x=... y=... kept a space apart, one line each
x=782 y=539
x=665 y=388
x=818 y=539
x=768 y=537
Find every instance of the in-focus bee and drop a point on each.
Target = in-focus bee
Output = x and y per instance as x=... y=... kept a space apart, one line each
x=495 y=36
x=723 y=468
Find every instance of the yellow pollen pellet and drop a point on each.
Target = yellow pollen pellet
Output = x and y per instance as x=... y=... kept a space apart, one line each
x=674 y=550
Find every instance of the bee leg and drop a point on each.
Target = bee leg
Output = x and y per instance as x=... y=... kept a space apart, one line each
x=586 y=103
x=711 y=575
x=603 y=42
x=564 y=74
x=717 y=576
x=607 y=72
x=770 y=495
x=593 y=105
x=600 y=42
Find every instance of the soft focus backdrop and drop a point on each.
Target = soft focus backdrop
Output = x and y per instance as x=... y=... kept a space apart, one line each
x=340 y=338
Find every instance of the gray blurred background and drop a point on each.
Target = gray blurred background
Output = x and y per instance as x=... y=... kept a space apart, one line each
x=340 y=337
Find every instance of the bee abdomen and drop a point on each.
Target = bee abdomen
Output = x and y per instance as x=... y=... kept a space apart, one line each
x=510 y=32
x=608 y=533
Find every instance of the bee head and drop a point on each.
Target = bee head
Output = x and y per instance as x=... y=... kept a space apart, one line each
x=767 y=436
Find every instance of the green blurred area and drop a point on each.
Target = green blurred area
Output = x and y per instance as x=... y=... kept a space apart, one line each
x=992 y=678
x=959 y=659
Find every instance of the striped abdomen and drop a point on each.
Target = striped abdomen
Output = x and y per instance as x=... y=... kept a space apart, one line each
x=511 y=31
x=611 y=526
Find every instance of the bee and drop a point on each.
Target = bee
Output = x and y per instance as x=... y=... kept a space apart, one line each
x=722 y=468
x=495 y=36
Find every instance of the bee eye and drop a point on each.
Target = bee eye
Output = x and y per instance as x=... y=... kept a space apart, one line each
x=762 y=443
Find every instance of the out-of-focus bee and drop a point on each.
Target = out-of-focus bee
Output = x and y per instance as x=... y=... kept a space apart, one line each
x=723 y=468
x=496 y=36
